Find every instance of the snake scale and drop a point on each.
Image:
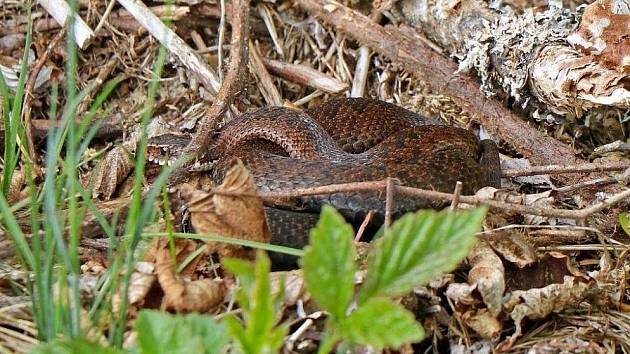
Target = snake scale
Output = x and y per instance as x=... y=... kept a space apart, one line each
x=350 y=140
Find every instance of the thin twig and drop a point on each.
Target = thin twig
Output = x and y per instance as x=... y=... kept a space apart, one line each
x=230 y=87
x=456 y=194
x=103 y=20
x=579 y=214
x=221 y=40
x=390 y=190
x=30 y=86
x=561 y=169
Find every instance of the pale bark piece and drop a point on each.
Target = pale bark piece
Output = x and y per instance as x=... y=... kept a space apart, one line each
x=603 y=33
x=488 y=274
x=529 y=52
x=186 y=55
x=61 y=12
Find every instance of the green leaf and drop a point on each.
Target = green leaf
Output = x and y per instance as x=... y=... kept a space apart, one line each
x=74 y=346
x=382 y=323
x=160 y=332
x=261 y=311
x=329 y=263
x=418 y=247
x=624 y=220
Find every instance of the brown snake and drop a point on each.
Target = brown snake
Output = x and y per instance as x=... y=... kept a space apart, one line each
x=351 y=140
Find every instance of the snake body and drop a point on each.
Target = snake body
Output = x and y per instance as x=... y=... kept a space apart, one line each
x=351 y=140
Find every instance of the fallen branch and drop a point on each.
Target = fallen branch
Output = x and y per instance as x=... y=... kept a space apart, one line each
x=439 y=72
x=232 y=84
x=559 y=169
x=578 y=214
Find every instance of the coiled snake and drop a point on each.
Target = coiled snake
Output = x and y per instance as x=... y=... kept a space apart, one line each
x=350 y=140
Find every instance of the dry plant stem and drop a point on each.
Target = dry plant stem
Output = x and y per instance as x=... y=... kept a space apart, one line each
x=30 y=85
x=232 y=84
x=439 y=73
x=103 y=20
x=257 y=68
x=614 y=146
x=390 y=190
x=558 y=169
x=586 y=184
x=364 y=224
x=175 y=45
x=456 y=194
x=305 y=76
x=579 y=214
x=102 y=75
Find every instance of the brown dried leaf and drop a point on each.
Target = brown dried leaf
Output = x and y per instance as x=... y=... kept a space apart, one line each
x=110 y=171
x=540 y=302
x=483 y=323
x=141 y=283
x=202 y=295
x=232 y=211
x=17 y=183
x=513 y=246
x=488 y=274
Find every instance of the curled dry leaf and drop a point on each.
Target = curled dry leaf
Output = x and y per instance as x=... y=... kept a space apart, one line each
x=142 y=281
x=483 y=323
x=513 y=246
x=462 y=294
x=202 y=295
x=232 y=211
x=292 y=284
x=17 y=183
x=488 y=274
x=110 y=171
x=539 y=303
x=551 y=268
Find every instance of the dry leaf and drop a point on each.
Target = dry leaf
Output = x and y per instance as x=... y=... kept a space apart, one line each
x=538 y=303
x=141 y=283
x=488 y=274
x=15 y=189
x=202 y=295
x=294 y=287
x=483 y=323
x=512 y=245
x=232 y=211
x=110 y=171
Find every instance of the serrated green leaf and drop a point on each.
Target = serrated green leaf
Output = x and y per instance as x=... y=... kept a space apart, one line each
x=418 y=247
x=259 y=333
x=329 y=264
x=160 y=332
x=624 y=220
x=74 y=346
x=382 y=323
